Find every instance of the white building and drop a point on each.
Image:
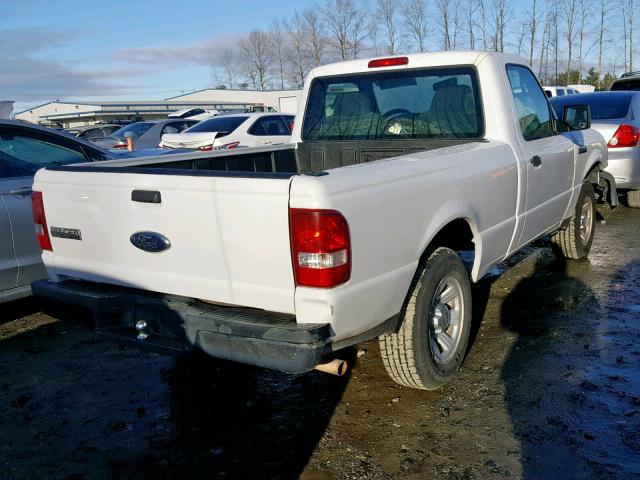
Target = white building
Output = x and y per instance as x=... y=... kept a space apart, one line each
x=283 y=101
x=74 y=114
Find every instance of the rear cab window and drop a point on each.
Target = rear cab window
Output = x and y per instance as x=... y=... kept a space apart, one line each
x=411 y=104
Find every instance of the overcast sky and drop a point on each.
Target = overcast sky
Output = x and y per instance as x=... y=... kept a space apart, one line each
x=118 y=49
x=126 y=49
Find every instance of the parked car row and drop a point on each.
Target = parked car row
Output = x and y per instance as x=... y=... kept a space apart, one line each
x=145 y=134
x=614 y=114
x=233 y=131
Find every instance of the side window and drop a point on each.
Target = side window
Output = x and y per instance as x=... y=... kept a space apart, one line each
x=176 y=127
x=24 y=154
x=532 y=107
x=560 y=92
x=257 y=128
x=270 y=126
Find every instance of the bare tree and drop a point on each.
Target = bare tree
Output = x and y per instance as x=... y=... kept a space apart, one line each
x=388 y=12
x=500 y=11
x=624 y=31
x=631 y=6
x=543 y=69
x=346 y=23
x=316 y=38
x=298 y=51
x=570 y=18
x=444 y=21
x=456 y=22
x=470 y=13
x=360 y=29
x=226 y=74
x=584 y=8
x=483 y=23
x=533 y=27
x=521 y=37
x=601 y=36
x=414 y=13
x=256 y=58
x=276 y=40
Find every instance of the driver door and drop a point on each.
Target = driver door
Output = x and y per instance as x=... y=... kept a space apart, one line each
x=549 y=157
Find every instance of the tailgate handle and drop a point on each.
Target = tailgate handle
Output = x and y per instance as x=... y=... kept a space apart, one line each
x=146 y=196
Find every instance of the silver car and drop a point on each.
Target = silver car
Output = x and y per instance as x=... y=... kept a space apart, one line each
x=24 y=149
x=146 y=134
x=616 y=116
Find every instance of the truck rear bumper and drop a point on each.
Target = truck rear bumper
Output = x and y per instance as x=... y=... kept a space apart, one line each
x=175 y=325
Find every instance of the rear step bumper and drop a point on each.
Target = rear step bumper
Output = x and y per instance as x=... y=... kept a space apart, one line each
x=175 y=325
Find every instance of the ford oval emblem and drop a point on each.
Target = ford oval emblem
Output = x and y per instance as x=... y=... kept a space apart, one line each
x=150 y=242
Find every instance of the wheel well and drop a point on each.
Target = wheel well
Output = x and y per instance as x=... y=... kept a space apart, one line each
x=594 y=174
x=456 y=235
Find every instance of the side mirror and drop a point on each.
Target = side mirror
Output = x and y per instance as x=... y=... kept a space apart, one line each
x=577 y=117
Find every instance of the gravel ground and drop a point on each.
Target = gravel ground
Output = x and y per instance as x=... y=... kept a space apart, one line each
x=550 y=389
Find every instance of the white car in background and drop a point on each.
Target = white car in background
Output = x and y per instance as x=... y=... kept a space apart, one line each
x=559 y=91
x=194 y=114
x=233 y=131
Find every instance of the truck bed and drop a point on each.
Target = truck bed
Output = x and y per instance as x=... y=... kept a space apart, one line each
x=280 y=161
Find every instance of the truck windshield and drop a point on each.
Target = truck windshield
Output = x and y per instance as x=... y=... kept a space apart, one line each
x=411 y=104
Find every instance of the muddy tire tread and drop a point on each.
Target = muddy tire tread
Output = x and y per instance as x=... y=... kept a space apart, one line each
x=396 y=349
x=566 y=239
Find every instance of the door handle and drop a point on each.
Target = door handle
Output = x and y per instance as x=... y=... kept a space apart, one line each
x=536 y=161
x=21 y=192
x=266 y=142
x=582 y=149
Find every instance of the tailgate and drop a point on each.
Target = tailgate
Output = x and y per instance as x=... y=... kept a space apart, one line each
x=229 y=236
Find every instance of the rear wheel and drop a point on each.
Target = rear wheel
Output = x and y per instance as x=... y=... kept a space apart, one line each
x=633 y=198
x=430 y=344
x=575 y=240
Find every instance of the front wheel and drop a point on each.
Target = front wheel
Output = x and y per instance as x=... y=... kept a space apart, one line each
x=431 y=342
x=575 y=240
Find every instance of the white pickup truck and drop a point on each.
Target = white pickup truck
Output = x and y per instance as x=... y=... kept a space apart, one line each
x=279 y=256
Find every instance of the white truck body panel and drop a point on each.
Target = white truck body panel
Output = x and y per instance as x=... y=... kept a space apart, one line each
x=229 y=236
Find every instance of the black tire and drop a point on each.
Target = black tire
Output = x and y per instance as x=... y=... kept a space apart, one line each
x=633 y=198
x=575 y=241
x=409 y=355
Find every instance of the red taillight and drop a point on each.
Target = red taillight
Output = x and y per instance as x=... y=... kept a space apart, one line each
x=291 y=125
x=227 y=146
x=625 y=136
x=120 y=146
x=206 y=148
x=320 y=247
x=39 y=218
x=389 y=62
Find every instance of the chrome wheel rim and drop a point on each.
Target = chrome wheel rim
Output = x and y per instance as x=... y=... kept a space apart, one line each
x=446 y=317
x=586 y=221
